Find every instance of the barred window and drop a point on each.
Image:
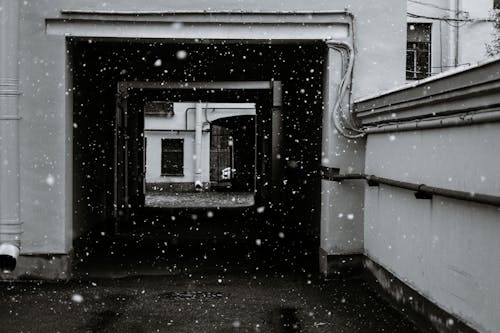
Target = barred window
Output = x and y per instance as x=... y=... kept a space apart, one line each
x=418 y=51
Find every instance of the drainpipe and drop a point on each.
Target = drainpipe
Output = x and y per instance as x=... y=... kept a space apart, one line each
x=10 y=222
x=457 y=32
x=198 y=120
x=454 y=33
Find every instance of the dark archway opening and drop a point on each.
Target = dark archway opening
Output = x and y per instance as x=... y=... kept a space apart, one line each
x=291 y=219
x=229 y=147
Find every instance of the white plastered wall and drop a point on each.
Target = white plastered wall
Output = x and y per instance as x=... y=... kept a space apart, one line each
x=446 y=249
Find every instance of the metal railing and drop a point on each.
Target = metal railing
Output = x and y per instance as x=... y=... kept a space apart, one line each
x=422 y=191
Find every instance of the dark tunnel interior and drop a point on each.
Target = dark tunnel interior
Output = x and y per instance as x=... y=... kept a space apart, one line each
x=289 y=216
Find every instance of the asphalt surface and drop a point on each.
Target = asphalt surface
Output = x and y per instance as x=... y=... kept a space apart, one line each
x=202 y=288
x=256 y=302
x=199 y=199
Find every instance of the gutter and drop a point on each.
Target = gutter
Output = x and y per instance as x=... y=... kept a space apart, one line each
x=443 y=122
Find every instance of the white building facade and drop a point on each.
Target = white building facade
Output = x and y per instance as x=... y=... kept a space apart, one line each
x=186 y=140
x=445 y=34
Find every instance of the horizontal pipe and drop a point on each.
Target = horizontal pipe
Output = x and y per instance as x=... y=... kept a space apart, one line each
x=7 y=117
x=220 y=85
x=198 y=12
x=460 y=120
x=347 y=177
x=172 y=130
x=395 y=183
x=211 y=108
x=423 y=189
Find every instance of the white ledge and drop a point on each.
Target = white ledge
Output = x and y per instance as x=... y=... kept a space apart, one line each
x=414 y=84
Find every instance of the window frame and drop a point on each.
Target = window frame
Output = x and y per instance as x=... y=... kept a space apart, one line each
x=417 y=49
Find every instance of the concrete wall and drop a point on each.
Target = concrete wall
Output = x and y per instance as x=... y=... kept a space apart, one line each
x=45 y=103
x=45 y=135
x=444 y=248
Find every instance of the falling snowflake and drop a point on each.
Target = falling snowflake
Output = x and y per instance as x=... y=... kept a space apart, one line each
x=50 y=180
x=181 y=54
x=77 y=298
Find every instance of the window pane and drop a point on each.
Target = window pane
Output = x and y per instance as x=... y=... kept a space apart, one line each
x=172 y=156
x=419 y=32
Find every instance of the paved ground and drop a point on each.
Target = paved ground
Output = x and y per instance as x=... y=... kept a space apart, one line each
x=199 y=199
x=200 y=289
x=256 y=302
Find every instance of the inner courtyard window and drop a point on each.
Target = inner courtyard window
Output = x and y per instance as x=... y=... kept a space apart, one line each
x=172 y=157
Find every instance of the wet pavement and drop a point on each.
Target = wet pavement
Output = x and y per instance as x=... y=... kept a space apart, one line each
x=256 y=302
x=196 y=289
x=199 y=199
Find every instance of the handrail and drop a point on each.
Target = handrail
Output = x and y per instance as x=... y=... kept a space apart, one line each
x=422 y=191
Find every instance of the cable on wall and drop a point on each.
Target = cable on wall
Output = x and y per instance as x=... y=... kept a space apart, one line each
x=436 y=6
x=450 y=19
x=343 y=121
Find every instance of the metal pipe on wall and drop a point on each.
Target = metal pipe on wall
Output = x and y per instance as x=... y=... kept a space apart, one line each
x=198 y=149
x=10 y=221
x=453 y=40
x=453 y=121
x=422 y=191
x=457 y=32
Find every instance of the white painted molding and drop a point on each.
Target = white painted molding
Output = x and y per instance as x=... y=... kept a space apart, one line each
x=189 y=25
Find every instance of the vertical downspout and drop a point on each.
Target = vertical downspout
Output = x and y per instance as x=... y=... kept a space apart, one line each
x=198 y=185
x=440 y=46
x=277 y=141
x=454 y=34
x=457 y=32
x=10 y=222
